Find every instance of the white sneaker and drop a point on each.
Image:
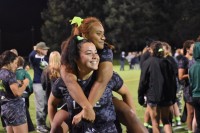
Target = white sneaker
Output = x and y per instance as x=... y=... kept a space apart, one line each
x=173 y=124
x=178 y=123
x=41 y=129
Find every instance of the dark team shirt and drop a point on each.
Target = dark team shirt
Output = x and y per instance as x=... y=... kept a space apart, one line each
x=38 y=63
x=183 y=63
x=105 y=54
x=157 y=80
x=104 y=108
x=144 y=57
x=6 y=79
x=174 y=64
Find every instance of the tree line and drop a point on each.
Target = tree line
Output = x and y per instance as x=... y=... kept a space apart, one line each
x=129 y=24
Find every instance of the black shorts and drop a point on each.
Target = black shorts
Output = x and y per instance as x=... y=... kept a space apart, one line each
x=160 y=104
x=187 y=96
x=14 y=113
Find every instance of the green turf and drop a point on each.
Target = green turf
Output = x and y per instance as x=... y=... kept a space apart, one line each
x=131 y=79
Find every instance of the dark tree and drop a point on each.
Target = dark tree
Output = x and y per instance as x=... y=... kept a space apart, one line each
x=129 y=25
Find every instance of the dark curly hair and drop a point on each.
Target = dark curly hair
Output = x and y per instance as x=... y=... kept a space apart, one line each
x=70 y=52
x=186 y=45
x=157 y=48
x=7 y=57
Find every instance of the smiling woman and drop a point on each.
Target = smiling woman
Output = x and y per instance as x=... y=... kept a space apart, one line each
x=82 y=58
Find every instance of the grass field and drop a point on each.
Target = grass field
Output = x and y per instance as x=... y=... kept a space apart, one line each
x=131 y=79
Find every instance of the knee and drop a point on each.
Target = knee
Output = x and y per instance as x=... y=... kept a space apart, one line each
x=55 y=128
x=155 y=123
x=191 y=113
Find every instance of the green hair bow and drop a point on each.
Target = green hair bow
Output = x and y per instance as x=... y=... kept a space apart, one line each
x=79 y=38
x=76 y=20
x=160 y=50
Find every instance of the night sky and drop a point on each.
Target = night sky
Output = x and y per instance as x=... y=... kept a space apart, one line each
x=20 y=23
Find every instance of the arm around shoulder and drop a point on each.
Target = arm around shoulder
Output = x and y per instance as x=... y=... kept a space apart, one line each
x=104 y=75
x=74 y=88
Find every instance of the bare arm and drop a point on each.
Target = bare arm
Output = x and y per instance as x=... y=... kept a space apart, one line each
x=126 y=112
x=181 y=74
x=105 y=72
x=77 y=94
x=126 y=96
x=74 y=88
x=52 y=106
x=18 y=91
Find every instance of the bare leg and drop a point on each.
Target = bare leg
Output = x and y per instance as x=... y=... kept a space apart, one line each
x=176 y=109
x=155 y=117
x=194 y=123
x=190 y=115
x=128 y=117
x=146 y=116
x=165 y=117
x=9 y=129
x=58 y=120
x=65 y=127
x=21 y=128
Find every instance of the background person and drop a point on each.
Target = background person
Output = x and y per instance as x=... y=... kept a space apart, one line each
x=39 y=61
x=176 y=120
x=51 y=72
x=183 y=66
x=22 y=74
x=12 y=105
x=122 y=60
x=158 y=84
x=194 y=79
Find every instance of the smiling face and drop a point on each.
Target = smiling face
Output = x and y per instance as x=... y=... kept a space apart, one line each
x=89 y=59
x=96 y=35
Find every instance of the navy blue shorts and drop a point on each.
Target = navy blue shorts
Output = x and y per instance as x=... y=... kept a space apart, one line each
x=14 y=113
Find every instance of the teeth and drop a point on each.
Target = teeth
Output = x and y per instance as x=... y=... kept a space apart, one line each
x=94 y=62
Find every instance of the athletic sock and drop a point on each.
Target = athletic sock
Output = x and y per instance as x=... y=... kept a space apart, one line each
x=149 y=126
x=161 y=125
x=178 y=118
x=178 y=121
x=146 y=124
x=173 y=122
